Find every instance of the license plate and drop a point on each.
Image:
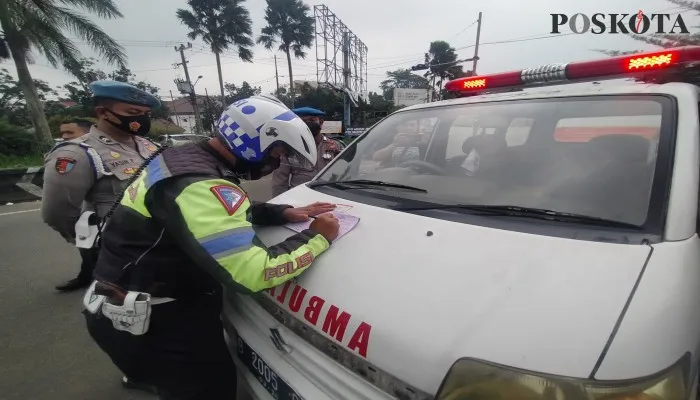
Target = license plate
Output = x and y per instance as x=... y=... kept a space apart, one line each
x=267 y=377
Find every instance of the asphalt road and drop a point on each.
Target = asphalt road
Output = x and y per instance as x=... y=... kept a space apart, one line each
x=45 y=350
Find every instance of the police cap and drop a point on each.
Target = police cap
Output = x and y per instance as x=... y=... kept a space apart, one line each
x=123 y=92
x=308 y=112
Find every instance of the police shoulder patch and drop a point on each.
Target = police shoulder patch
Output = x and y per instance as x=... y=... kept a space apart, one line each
x=230 y=197
x=64 y=165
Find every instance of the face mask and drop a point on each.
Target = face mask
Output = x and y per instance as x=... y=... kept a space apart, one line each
x=254 y=171
x=138 y=125
x=314 y=127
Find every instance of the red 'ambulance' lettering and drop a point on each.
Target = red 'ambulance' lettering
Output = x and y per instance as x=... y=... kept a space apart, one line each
x=313 y=310
x=335 y=321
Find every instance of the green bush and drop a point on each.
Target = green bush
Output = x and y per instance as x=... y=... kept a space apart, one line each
x=16 y=141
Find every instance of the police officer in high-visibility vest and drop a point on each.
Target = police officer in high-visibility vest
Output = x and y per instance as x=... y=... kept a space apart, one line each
x=294 y=171
x=183 y=229
x=86 y=174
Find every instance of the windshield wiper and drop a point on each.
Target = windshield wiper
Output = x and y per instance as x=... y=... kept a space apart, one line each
x=364 y=182
x=524 y=212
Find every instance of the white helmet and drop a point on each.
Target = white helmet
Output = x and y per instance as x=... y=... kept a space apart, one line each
x=250 y=127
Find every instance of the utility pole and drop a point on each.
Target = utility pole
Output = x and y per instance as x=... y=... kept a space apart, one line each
x=190 y=87
x=476 y=47
x=210 y=110
x=346 y=81
x=277 y=78
x=177 y=117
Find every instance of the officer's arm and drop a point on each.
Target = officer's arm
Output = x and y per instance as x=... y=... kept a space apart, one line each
x=208 y=218
x=267 y=214
x=68 y=177
x=280 y=178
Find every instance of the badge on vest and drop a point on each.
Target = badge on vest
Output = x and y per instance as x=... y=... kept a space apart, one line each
x=130 y=171
x=133 y=191
x=230 y=197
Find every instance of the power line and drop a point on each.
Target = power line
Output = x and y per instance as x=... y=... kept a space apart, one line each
x=465 y=29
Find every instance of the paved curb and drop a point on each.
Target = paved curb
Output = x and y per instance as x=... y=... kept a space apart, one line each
x=21 y=184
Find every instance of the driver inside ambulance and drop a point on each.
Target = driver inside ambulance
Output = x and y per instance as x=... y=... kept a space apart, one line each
x=407 y=145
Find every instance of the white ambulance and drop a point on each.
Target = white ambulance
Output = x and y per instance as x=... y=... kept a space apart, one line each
x=534 y=244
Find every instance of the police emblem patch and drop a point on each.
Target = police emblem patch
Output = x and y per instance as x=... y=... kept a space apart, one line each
x=129 y=171
x=133 y=191
x=114 y=154
x=230 y=197
x=134 y=126
x=64 y=165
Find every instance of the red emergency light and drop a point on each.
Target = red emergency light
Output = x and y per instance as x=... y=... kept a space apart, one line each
x=607 y=68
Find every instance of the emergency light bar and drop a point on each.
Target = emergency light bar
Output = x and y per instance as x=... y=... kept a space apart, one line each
x=607 y=68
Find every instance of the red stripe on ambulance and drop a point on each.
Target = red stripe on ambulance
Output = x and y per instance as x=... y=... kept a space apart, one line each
x=334 y=322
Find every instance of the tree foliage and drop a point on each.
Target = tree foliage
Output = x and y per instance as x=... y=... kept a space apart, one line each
x=220 y=24
x=13 y=106
x=85 y=72
x=235 y=93
x=441 y=59
x=41 y=25
x=403 y=79
x=291 y=28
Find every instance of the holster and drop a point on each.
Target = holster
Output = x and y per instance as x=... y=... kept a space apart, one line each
x=87 y=230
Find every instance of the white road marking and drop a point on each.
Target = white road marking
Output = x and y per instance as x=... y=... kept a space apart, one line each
x=19 y=212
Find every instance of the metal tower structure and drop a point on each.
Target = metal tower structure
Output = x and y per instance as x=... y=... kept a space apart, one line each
x=341 y=58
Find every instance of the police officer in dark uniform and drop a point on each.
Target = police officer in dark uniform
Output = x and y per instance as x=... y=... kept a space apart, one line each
x=84 y=176
x=295 y=171
x=87 y=173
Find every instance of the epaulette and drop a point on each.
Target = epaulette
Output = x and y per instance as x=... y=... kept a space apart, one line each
x=96 y=162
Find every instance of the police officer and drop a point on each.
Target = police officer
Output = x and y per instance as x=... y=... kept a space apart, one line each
x=185 y=227
x=295 y=171
x=87 y=173
x=74 y=128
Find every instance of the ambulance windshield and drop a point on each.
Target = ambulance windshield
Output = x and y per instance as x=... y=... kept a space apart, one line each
x=595 y=156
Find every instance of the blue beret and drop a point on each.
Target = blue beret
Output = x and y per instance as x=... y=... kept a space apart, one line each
x=308 y=112
x=123 y=92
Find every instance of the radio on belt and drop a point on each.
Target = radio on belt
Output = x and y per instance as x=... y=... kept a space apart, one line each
x=637 y=65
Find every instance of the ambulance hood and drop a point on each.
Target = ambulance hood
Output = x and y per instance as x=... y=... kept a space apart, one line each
x=533 y=302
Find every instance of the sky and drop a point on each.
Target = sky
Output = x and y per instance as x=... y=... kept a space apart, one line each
x=396 y=33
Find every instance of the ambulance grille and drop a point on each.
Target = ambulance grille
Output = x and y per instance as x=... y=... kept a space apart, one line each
x=375 y=376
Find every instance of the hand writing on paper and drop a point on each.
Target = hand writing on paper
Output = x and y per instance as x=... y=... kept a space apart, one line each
x=302 y=214
x=327 y=225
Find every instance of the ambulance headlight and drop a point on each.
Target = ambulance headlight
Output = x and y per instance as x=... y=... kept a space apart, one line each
x=470 y=379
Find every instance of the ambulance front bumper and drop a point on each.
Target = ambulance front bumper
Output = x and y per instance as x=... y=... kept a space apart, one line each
x=295 y=370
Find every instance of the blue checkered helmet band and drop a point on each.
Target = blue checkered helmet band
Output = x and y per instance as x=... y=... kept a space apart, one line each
x=242 y=144
x=241 y=123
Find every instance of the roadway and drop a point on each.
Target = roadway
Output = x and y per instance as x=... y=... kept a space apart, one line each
x=45 y=350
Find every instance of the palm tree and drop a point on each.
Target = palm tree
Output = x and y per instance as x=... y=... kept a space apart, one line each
x=220 y=23
x=289 y=24
x=441 y=59
x=40 y=25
